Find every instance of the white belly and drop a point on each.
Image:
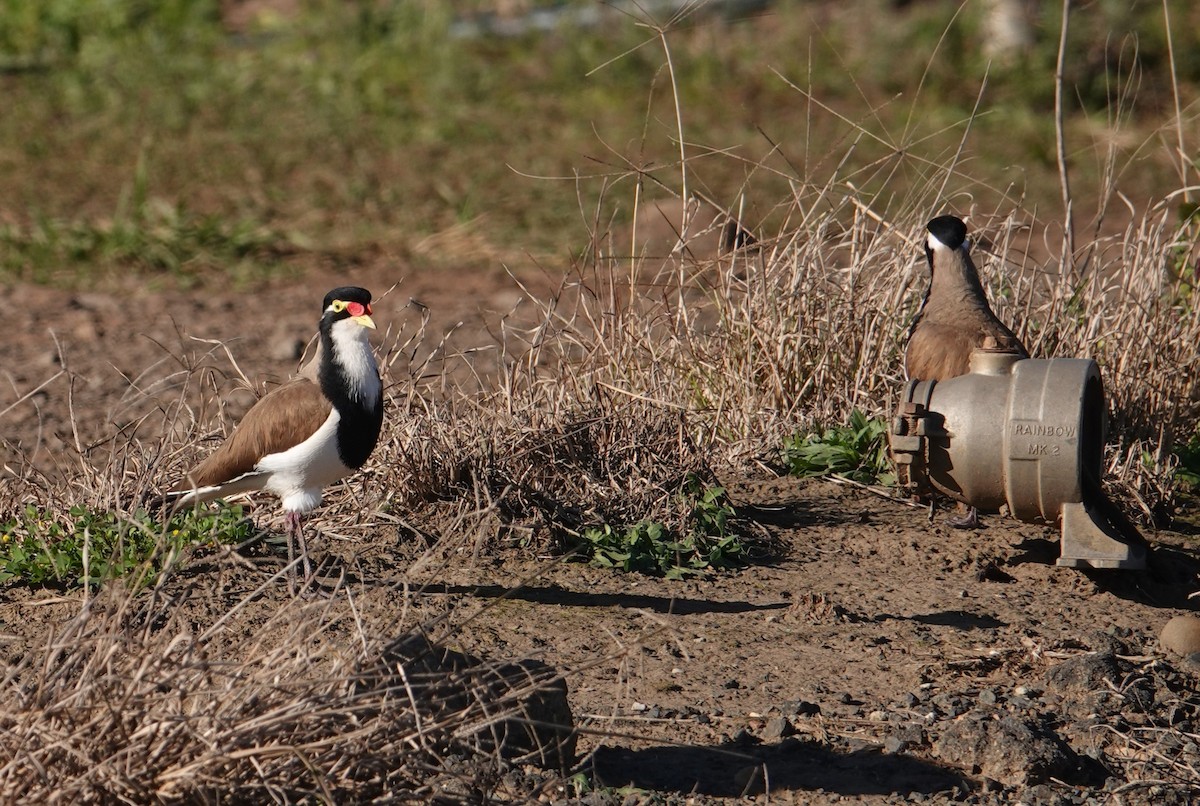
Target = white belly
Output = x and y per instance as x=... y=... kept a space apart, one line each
x=298 y=474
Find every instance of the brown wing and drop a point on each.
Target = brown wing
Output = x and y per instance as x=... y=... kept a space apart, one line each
x=938 y=350
x=284 y=418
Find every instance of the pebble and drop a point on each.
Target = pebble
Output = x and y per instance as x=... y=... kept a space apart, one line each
x=801 y=708
x=777 y=727
x=743 y=737
x=1181 y=635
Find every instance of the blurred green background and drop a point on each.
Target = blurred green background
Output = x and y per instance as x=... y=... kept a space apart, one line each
x=185 y=137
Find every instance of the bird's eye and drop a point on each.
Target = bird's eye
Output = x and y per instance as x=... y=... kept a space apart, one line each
x=338 y=306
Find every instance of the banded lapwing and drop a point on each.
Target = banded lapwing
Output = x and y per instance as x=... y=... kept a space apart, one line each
x=306 y=434
x=954 y=320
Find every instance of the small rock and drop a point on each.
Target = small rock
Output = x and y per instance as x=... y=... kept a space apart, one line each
x=801 y=708
x=1181 y=635
x=743 y=737
x=949 y=704
x=904 y=738
x=987 y=697
x=1020 y=703
x=1089 y=672
x=732 y=684
x=777 y=727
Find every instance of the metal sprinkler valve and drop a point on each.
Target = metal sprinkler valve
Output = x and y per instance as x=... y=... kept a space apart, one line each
x=1025 y=433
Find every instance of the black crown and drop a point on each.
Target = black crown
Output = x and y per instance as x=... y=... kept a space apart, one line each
x=948 y=229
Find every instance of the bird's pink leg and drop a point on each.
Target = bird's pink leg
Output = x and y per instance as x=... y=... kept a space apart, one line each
x=295 y=533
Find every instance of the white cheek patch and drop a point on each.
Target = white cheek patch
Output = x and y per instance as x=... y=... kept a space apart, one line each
x=933 y=243
x=352 y=350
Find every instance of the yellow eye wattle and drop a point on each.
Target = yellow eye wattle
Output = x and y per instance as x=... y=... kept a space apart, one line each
x=338 y=306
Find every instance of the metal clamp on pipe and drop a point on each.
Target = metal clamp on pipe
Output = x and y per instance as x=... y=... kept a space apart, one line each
x=1025 y=433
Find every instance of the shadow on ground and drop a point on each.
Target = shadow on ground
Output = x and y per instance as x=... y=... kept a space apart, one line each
x=557 y=595
x=791 y=765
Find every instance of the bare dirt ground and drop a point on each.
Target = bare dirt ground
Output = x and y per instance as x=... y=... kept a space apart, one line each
x=872 y=657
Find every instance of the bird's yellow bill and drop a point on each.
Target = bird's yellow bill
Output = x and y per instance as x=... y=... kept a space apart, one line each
x=365 y=321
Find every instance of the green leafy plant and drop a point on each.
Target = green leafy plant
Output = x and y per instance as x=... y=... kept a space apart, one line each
x=92 y=546
x=649 y=547
x=858 y=451
x=1188 y=470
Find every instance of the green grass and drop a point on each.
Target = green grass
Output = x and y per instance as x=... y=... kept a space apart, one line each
x=857 y=451
x=350 y=129
x=705 y=543
x=93 y=546
x=1188 y=471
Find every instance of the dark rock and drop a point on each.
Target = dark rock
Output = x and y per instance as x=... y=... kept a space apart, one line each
x=1044 y=795
x=987 y=697
x=777 y=728
x=1084 y=673
x=1020 y=703
x=904 y=738
x=990 y=572
x=1112 y=641
x=1013 y=751
x=1140 y=694
x=743 y=737
x=801 y=708
x=950 y=705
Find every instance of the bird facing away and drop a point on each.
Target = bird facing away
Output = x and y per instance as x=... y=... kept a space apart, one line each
x=308 y=433
x=955 y=318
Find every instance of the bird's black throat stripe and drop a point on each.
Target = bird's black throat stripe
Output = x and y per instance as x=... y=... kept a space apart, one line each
x=360 y=421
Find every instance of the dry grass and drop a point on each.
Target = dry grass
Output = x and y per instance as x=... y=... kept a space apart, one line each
x=127 y=701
